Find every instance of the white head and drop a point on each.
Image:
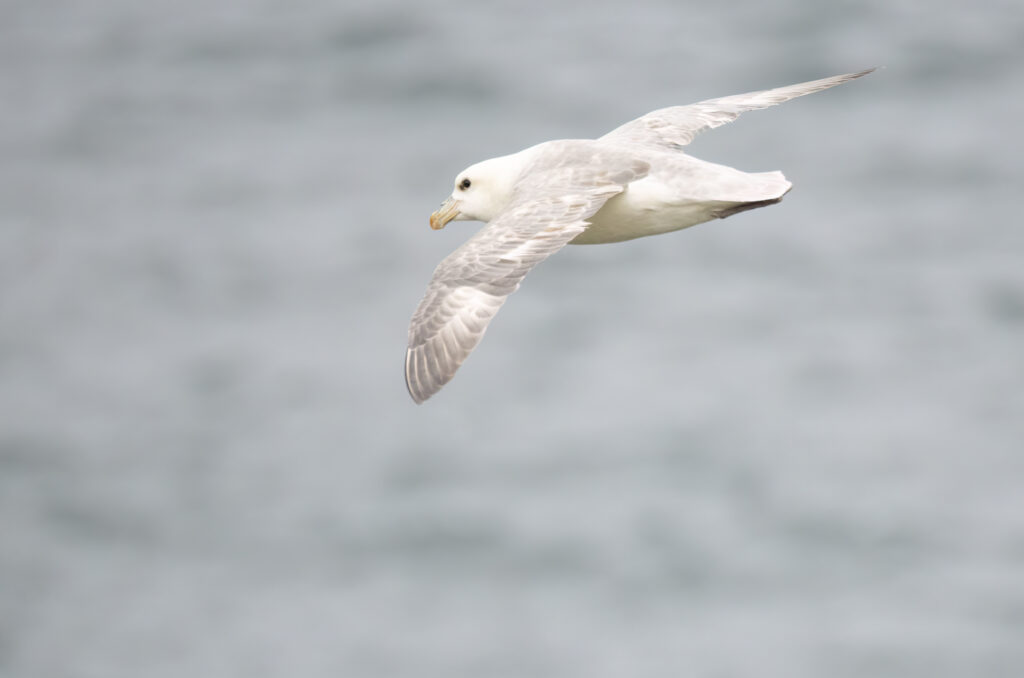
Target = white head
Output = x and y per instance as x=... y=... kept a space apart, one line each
x=481 y=191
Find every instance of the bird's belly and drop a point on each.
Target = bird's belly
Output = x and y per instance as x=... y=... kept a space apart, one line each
x=641 y=211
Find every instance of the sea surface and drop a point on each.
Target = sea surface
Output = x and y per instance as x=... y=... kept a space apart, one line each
x=790 y=443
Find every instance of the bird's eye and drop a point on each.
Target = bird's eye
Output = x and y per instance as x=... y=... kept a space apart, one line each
x=464 y=184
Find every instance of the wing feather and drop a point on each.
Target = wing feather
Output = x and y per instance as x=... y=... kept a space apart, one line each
x=550 y=206
x=676 y=126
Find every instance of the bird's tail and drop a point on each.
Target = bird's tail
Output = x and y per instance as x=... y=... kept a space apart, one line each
x=760 y=190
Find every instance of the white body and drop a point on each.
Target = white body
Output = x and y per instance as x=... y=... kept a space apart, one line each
x=651 y=206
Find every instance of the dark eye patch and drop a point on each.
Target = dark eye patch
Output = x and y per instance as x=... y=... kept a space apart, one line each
x=464 y=184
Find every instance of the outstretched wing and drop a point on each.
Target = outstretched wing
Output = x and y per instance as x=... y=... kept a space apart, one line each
x=563 y=187
x=678 y=125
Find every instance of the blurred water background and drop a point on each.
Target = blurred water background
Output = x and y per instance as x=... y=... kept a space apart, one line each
x=785 y=444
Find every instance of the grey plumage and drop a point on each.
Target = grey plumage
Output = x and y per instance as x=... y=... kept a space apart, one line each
x=676 y=126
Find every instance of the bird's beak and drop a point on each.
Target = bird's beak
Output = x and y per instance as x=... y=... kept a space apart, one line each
x=448 y=210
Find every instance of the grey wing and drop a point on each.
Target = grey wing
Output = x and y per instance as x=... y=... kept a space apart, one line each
x=472 y=283
x=678 y=125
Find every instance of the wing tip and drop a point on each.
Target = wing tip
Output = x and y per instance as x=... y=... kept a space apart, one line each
x=411 y=382
x=861 y=74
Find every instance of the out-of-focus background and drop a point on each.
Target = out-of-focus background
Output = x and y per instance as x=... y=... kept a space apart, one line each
x=784 y=444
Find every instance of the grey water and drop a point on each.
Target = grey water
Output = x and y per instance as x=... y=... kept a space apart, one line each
x=790 y=443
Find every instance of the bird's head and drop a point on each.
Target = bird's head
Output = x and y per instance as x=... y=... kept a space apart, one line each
x=481 y=192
